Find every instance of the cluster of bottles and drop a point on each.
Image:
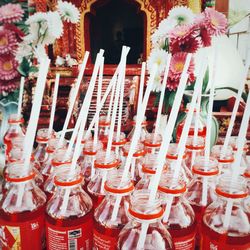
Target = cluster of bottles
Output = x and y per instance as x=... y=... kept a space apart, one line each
x=98 y=207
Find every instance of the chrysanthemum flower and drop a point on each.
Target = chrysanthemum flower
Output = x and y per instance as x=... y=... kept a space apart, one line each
x=157 y=83
x=182 y=38
x=68 y=12
x=159 y=57
x=8 y=67
x=181 y=14
x=215 y=22
x=176 y=68
x=55 y=25
x=11 y=13
x=8 y=41
x=8 y=86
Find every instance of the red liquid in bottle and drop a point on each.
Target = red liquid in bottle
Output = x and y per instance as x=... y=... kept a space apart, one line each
x=104 y=237
x=183 y=238
x=96 y=199
x=213 y=240
x=201 y=132
x=23 y=230
x=70 y=233
x=8 y=141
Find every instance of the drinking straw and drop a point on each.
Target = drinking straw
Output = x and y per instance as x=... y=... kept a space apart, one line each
x=83 y=116
x=119 y=123
x=73 y=98
x=209 y=128
x=235 y=109
x=185 y=131
x=20 y=99
x=117 y=93
x=111 y=101
x=140 y=94
x=163 y=88
x=53 y=108
x=165 y=144
x=98 y=100
x=136 y=136
x=33 y=121
x=236 y=165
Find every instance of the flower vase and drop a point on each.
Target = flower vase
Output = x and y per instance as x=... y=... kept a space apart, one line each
x=6 y=108
x=203 y=114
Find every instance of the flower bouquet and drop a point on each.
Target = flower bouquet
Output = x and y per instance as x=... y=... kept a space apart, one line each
x=182 y=32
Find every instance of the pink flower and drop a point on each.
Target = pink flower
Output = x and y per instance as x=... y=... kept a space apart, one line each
x=183 y=39
x=176 y=68
x=8 y=86
x=205 y=37
x=215 y=22
x=11 y=13
x=8 y=67
x=8 y=41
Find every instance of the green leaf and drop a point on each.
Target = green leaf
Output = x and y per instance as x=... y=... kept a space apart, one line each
x=243 y=95
x=157 y=98
x=24 y=67
x=205 y=81
x=179 y=119
x=33 y=69
x=166 y=100
x=171 y=98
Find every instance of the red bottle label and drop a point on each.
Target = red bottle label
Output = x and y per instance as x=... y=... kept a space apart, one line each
x=23 y=235
x=184 y=243
x=212 y=244
x=70 y=238
x=104 y=242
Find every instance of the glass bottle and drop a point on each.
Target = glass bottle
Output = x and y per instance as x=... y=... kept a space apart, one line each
x=103 y=167
x=216 y=234
x=152 y=143
x=50 y=150
x=171 y=158
x=202 y=128
x=22 y=212
x=194 y=148
x=16 y=143
x=42 y=139
x=103 y=128
x=148 y=171
x=205 y=174
x=135 y=169
x=87 y=159
x=118 y=145
x=144 y=131
x=15 y=129
x=245 y=162
x=111 y=215
x=60 y=159
x=144 y=214
x=69 y=214
x=224 y=162
x=179 y=217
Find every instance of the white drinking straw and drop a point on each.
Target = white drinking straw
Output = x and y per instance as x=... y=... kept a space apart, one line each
x=163 y=88
x=185 y=131
x=235 y=109
x=98 y=101
x=141 y=87
x=73 y=98
x=33 y=121
x=238 y=156
x=20 y=99
x=83 y=116
x=53 y=107
x=111 y=101
x=136 y=137
x=117 y=93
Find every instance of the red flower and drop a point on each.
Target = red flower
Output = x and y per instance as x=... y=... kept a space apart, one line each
x=176 y=68
x=8 y=67
x=8 y=41
x=183 y=39
x=8 y=86
x=17 y=31
x=205 y=37
x=11 y=13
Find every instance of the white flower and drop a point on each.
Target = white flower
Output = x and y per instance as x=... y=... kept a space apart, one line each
x=157 y=83
x=181 y=14
x=159 y=37
x=24 y=50
x=36 y=18
x=68 y=12
x=55 y=25
x=158 y=56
